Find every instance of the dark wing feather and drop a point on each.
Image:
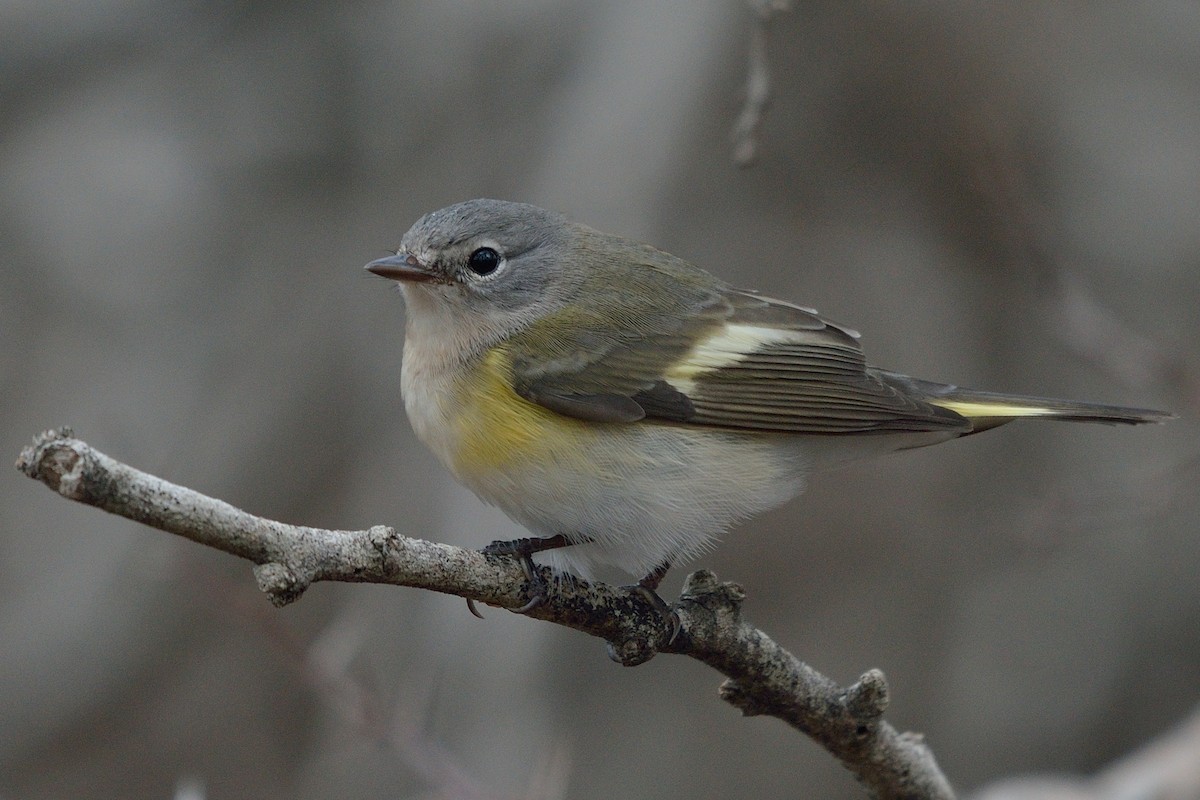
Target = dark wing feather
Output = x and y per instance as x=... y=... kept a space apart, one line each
x=740 y=361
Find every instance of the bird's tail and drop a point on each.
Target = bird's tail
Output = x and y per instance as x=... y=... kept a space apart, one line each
x=988 y=409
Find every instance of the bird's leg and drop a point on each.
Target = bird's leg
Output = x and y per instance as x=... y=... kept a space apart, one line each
x=647 y=587
x=523 y=550
x=653 y=578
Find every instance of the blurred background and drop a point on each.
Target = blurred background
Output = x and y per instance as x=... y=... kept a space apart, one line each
x=999 y=195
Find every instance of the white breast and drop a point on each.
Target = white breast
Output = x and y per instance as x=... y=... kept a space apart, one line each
x=643 y=494
x=634 y=495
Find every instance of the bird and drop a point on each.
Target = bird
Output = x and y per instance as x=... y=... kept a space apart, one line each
x=628 y=407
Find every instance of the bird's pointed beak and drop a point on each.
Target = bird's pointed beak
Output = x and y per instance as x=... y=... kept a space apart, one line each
x=403 y=267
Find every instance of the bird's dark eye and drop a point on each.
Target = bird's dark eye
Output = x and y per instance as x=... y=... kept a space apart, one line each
x=483 y=261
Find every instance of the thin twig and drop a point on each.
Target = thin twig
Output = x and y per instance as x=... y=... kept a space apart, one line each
x=763 y=677
x=758 y=83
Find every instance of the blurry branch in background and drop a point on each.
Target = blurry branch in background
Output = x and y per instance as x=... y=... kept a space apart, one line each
x=1096 y=333
x=395 y=722
x=763 y=678
x=1167 y=768
x=998 y=174
x=758 y=83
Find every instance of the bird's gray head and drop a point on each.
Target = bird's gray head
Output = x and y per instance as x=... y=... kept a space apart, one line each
x=477 y=272
x=480 y=269
x=485 y=253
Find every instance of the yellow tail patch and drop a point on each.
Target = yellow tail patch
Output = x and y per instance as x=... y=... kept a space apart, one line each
x=971 y=410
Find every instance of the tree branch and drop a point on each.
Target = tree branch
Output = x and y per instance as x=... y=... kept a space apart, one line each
x=763 y=678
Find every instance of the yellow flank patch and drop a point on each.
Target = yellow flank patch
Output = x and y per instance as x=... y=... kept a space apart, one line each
x=970 y=409
x=496 y=426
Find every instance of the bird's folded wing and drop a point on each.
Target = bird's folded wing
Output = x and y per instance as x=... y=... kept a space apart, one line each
x=738 y=360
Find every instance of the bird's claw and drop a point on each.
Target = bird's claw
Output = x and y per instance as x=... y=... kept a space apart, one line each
x=667 y=614
x=522 y=550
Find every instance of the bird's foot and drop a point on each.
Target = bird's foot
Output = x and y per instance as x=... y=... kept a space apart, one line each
x=523 y=550
x=647 y=587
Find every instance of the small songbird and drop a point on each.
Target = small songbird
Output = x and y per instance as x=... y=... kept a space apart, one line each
x=626 y=406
